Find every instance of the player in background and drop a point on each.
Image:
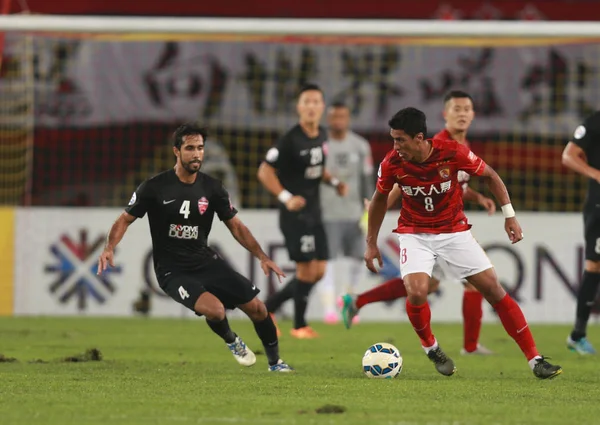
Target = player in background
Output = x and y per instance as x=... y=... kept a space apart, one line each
x=348 y=158
x=582 y=155
x=181 y=204
x=293 y=171
x=433 y=224
x=458 y=114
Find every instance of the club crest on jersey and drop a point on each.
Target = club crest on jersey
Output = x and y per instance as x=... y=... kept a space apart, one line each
x=444 y=172
x=202 y=205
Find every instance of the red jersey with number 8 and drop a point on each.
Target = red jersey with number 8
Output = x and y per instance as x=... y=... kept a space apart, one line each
x=431 y=194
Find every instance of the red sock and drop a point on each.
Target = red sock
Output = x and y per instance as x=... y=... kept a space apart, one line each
x=420 y=318
x=387 y=291
x=516 y=326
x=472 y=314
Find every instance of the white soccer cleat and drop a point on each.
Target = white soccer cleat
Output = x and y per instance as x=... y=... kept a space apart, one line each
x=281 y=366
x=479 y=351
x=241 y=352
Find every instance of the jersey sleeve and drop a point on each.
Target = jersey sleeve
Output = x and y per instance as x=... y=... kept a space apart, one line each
x=222 y=205
x=279 y=156
x=140 y=200
x=468 y=162
x=587 y=132
x=385 y=177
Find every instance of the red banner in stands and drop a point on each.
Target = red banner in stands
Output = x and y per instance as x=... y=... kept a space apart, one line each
x=380 y=9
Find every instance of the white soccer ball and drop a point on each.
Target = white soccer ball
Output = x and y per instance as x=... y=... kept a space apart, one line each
x=382 y=360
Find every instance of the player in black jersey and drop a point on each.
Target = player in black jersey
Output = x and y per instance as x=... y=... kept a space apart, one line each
x=293 y=171
x=181 y=204
x=582 y=155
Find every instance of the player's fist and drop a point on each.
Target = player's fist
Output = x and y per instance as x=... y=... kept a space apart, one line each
x=342 y=189
x=106 y=259
x=488 y=204
x=372 y=253
x=295 y=203
x=513 y=230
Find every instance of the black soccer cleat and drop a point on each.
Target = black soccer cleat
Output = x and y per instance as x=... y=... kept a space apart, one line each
x=545 y=370
x=443 y=363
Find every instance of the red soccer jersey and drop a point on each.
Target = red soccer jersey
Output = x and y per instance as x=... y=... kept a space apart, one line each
x=431 y=193
x=463 y=178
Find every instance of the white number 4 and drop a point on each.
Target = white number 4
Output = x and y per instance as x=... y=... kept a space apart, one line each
x=185 y=209
x=597 y=247
x=182 y=292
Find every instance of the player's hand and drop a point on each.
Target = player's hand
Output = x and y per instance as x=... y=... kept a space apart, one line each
x=342 y=189
x=296 y=203
x=268 y=266
x=366 y=203
x=488 y=204
x=513 y=230
x=106 y=259
x=372 y=253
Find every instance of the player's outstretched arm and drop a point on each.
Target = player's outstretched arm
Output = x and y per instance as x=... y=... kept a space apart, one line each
x=574 y=157
x=242 y=234
x=340 y=187
x=117 y=231
x=268 y=177
x=498 y=189
x=377 y=210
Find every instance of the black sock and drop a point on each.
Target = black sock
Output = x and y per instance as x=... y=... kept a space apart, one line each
x=267 y=333
x=222 y=329
x=287 y=292
x=585 y=299
x=301 y=293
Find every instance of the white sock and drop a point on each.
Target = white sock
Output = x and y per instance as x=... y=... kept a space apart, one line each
x=326 y=289
x=433 y=347
x=533 y=362
x=356 y=270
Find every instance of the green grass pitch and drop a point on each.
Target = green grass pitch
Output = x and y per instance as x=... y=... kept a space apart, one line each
x=158 y=371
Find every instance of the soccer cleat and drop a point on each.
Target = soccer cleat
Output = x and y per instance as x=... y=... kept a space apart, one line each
x=349 y=310
x=443 y=363
x=581 y=346
x=304 y=333
x=545 y=370
x=280 y=366
x=479 y=351
x=241 y=352
x=275 y=323
x=331 y=318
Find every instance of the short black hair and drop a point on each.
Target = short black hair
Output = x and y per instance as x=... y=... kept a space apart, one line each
x=457 y=94
x=338 y=104
x=309 y=87
x=188 y=129
x=411 y=120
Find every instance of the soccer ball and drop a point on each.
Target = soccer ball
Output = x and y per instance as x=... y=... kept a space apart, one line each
x=382 y=360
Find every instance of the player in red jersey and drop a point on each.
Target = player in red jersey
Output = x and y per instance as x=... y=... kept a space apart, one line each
x=458 y=114
x=433 y=224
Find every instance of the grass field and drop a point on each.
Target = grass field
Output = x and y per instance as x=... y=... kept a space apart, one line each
x=177 y=372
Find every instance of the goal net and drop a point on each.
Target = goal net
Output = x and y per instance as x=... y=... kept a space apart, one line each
x=88 y=104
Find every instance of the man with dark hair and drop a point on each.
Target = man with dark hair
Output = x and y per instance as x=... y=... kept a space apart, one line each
x=458 y=114
x=293 y=171
x=583 y=156
x=433 y=224
x=181 y=204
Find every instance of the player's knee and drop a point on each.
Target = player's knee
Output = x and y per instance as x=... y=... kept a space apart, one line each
x=434 y=284
x=256 y=310
x=214 y=311
x=592 y=266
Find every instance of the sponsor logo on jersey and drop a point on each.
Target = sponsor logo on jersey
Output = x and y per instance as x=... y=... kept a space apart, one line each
x=203 y=205
x=444 y=172
x=180 y=231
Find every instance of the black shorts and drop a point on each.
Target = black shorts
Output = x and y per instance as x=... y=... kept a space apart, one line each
x=591 y=225
x=304 y=242
x=217 y=278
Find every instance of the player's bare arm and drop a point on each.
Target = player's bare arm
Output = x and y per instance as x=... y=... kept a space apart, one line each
x=340 y=187
x=377 y=210
x=474 y=196
x=117 y=231
x=574 y=157
x=242 y=234
x=498 y=189
x=268 y=177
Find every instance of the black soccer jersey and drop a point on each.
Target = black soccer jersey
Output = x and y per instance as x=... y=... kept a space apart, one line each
x=180 y=217
x=300 y=162
x=587 y=137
